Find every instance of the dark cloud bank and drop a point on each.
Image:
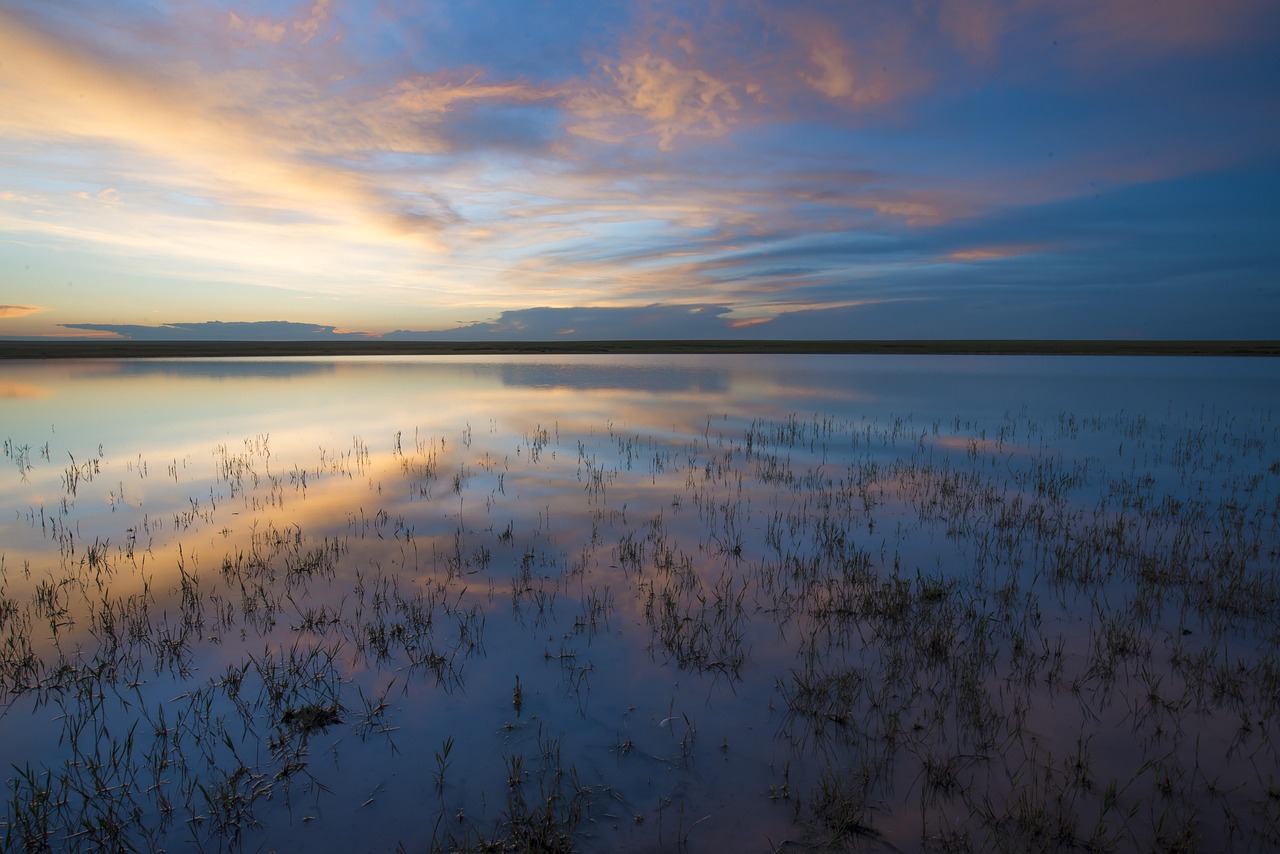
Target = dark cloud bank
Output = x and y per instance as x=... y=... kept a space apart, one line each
x=1133 y=313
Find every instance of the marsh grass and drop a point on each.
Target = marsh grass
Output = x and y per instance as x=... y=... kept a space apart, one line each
x=1009 y=634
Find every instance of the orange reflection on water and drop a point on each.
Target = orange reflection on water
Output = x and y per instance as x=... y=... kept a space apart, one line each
x=21 y=390
x=678 y=570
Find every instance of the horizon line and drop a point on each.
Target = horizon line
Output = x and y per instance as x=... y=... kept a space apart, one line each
x=36 y=349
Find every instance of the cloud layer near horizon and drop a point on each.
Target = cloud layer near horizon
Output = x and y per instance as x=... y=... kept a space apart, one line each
x=948 y=168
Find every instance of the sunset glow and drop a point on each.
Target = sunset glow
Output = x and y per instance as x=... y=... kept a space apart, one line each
x=938 y=169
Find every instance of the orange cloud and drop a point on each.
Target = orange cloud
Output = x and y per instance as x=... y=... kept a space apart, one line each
x=879 y=61
x=7 y=311
x=913 y=211
x=664 y=98
x=977 y=255
x=836 y=79
x=426 y=94
x=260 y=29
x=208 y=136
x=306 y=24
x=317 y=17
x=991 y=253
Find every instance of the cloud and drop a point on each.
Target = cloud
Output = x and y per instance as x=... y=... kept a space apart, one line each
x=214 y=330
x=260 y=29
x=258 y=141
x=108 y=197
x=21 y=198
x=653 y=95
x=8 y=311
x=989 y=253
x=879 y=56
x=656 y=321
x=835 y=79
x=840 y=77
x=317 y=17
x=306 y=24
x=703 y=74
x=436 y=94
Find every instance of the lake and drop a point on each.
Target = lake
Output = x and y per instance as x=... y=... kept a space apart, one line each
x=641 y=603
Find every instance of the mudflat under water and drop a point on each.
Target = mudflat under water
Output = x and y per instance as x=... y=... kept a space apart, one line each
x=756 y=602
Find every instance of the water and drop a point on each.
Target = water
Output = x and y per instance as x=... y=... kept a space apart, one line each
x=641 y=603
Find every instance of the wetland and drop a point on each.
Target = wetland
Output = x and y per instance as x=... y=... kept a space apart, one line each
x=759 y=602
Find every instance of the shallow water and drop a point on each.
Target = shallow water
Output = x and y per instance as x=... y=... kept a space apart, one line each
x=748 y=602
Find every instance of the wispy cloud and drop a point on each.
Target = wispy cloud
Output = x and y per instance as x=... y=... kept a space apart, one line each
x=271 y=330
x=990 y=253
x=19 y=310
x=655 y=95
x=869 y=72
x=224 y=137
x=303 y=26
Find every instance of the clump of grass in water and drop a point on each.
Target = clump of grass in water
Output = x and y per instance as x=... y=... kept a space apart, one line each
x=311 y=718
x=840 y=803
x=545 y=807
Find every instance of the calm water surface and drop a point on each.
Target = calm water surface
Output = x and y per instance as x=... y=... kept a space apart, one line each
x=805 y=603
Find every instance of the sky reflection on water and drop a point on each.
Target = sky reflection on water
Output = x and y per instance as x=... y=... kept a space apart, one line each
x=169 y=395
x=745 y=598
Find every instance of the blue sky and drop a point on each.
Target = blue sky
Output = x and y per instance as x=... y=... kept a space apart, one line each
x=925 y=169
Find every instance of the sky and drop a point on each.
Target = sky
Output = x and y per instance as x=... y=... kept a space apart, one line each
x=538 y=170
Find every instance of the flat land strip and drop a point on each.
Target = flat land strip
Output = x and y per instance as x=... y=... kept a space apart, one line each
x=29 y=349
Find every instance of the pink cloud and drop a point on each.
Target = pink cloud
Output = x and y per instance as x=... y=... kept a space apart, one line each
x=317 y=17
x=862 y=74
x=978 y=255
x=306 y=24
x=994 y=252
x=258 y=29
x=436 y=94
x=835 y=78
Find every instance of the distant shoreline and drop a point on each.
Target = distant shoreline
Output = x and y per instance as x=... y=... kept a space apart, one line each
x=34 y=349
